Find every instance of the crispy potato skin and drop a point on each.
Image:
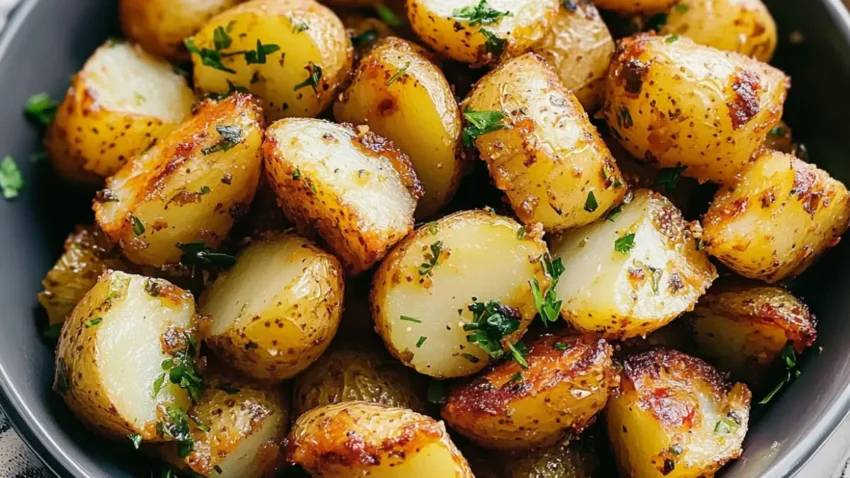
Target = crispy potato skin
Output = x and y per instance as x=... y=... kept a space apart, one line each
x=549 y=159
x=777 y=218
x=186 y=187
x=672 y=103
x=401 y=95
x=675 y=417
x=560 y=392
x=365 y=439
x=278 y=81
x=635 y=6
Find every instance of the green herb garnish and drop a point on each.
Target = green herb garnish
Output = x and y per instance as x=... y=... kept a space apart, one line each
x=481 y=122
x=258 y=56
x=398 y=74
x=365 y=38
x=209 y=57
x=387 y=16
x=91 y=323
x=199 y=254
x=480 y=14
x=180 y=369
x=421 y=341
x=669 y=177
x=624 y=244
x=138 y=227
x=590 y=204
x=11 y=180
x=491 y=323
x=548 y=305
x=432 y=258
x=407 y=318
x=314 y=78
x=136 y=439
x=41 y=109
x=230 y=137
x=493 y=44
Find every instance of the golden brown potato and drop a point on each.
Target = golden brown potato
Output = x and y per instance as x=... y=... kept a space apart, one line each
x=118 y=104
x=633 y=272
x=277 y=309
x=293 y=54
x=401 y=95
x=366 y=439
x=675 y=417
x=188 y=187
x=634 y=6
x=673 y=103
x=353 y=187
x=579 y=46
x=430 y=297
x=777 y=218
x=540 y=146
x=567 y=381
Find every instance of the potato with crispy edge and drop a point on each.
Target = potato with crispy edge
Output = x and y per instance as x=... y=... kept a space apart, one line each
x=424 y=292
x=676 y=417
x=111 y=351
x=673 y=103
x=366 y=439
x=633 y=273
x=293 y=54
x=277 y=309
x=635 y=6
x=353 y=187
x=548 y=158
x=400 y=94
x=118 y=104
x=777 y=218
x=481 y=31
x=510 y=407
x=188 y=187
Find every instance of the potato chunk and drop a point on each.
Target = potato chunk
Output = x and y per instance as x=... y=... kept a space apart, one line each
x=635 y=6
x=188 y=187
x=352 y=186
x=777 y=218
x=548 y=158
x=293 y=54
x=675 y=417
x=674 y=103
x=277 y=309
x=111 y=352
x=436 y=282
x=633 y=273
x=118 y=104
x=401 y=95
x=360 y=439
x=567 y=382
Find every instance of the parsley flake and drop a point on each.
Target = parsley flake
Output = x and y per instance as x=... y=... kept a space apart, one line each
x=481 y=14
x=387 y=16
x=624 y=119
x=136 y=439
x=204 y=190
x=493 y=44
x=520 y=234
x=560 y=346
x=209 y=57
x=221 y=39
x=789 y=359
x=365 y=38
x=491 y=323
x=180 y=369
x=299 y=26
x=613 y=213
x=777 y=131
x=624 y=244
x=590 y=204
x=11 y=180
x=52 y=332
x=671 y=38
x=314 y=78
x=41 y=109
x=548 y=305
x=230 y=137
x=518 y=353
x=258 y=56
x=199 y=254
x=398 y=74
x=655 y=275
x=138 y=227
x=421 y=341
x=91 y=323
x=432 y=258
x=481 y=122
x=655 y=22
x=407 y=318
x=725 y=426
x=669 y=177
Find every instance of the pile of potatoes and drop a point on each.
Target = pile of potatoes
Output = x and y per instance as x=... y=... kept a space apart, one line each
x=312 y=156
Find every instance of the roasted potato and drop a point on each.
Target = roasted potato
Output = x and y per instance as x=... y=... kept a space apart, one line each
x=674 y=103
x=401 y=95
x=353 y=187
x=634 y=6
x=540 y=146
x=188 y=187
x=277 y=309
x=675 y=416
x=632 y=273
x=777 y=218
x=293 y=54
x=579 y=46
x=110 y=362
x=118 y=104
x=431 y=295
x=481 y=31
x=567 y=381
x=366 y=439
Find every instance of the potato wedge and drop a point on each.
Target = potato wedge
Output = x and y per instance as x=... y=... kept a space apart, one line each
x=118 y=104
x=673 y=103
x=635 y=6
x=438 y=281
x=277 y=309
x=351 y=185
x=675 y=417
x=777 y=218
x=633 y=273
x=365 y=439
x=481 y=31
x=567 y=382
x=548 y=158
x=188 y=187
x=401 y=95
x=110 y=355
x=293 y=54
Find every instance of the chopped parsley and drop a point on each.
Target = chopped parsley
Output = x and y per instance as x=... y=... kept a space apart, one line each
x=624 y=244
x=157 y=385
x=180 y=370
x=590 y=204
x=365 y=38
x=517 y=377
x=436 y=392
x=209 y=57
x=560 y=346
x=481 y=14
x=11 y=180
x=655 y=275
x=492 y=43
x=204 y=190
x=230 y=137
x=681 y=8
x=407 y=318
x=624 y=119
x=724 y=426
x=518 y=353
x=432 y=258
x=140 y=98
x=314 y=78
x=655 y=22
x=548 y=305
x=136 y=439
x=777 y=131
x=421 y=341
x=93 y=322
x=199 y=254
x=201 y=425
x=387 y=16
x=613 y=213
x=258 y=56
x=299 y=26
x=176 y=426
x=52 y=332
x=138 y=226
x=217 y=469
x=481 y=122
x=470 y=357
x=671 y=38
x=789 y=358
x=41 y=109
x=296 y=175
x=669 y=177
x=520 y=234
x=398 y=74
x=491 y=323
x=221 y=39
x=676 y=450
x=228 y=390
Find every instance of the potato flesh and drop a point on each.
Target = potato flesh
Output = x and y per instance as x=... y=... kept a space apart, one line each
x=624 y=295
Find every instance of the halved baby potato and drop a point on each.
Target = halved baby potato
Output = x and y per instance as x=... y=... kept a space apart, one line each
x=366 y=439
x=675 y=417
x=277 y=309
x=188 y=187
x=109 y=362
x=353 y=187
x=122 y=100
x=567 y=381
x=633 y=272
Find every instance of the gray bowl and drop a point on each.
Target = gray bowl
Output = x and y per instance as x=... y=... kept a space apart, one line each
x=47 y=40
